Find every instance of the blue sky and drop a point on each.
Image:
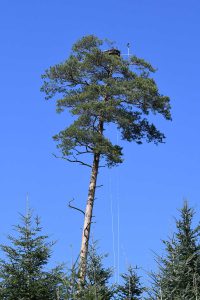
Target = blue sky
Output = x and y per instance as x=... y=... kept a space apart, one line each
x=154 y=180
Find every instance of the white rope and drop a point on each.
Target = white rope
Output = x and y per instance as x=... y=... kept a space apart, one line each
x=118 y=245
x=115 y=246
x=118 y=223
x=93 y=266
x=112 y=227
x=125 y=257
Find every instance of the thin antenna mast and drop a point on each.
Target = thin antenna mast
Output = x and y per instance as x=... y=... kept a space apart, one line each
x=128 y=48
x=128 y=54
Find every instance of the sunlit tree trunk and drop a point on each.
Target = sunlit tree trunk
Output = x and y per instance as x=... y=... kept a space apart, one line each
x=88 y=218
x=89 y=212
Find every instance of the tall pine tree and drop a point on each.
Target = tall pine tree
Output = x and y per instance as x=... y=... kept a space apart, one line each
x=22 y=271
x=179 y=269
x=100 y=88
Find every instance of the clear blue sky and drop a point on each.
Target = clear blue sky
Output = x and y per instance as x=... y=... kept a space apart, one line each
x=153 y=181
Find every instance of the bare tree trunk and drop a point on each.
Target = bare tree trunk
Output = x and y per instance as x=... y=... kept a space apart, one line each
x=88 y=218
x=88 y=212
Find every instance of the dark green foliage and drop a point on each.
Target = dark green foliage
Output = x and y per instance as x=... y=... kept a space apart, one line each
x=97 y=286
x=70 y=284
x=99 y=88
x=131 y=288
x=22 y=274
x=97 y=281
x=179 y=270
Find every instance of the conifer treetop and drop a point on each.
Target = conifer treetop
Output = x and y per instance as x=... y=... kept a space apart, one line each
x=179 y=269
x=97 y=87
x=23 y=271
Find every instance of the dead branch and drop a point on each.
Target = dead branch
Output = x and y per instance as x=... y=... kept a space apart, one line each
x=99 y=186
x=73 y=160
x=74 y=207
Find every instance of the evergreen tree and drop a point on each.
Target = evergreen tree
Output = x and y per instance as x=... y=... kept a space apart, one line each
x=179 y=269
x=97 y=278
x=97 y=286
x=100 y=88
x=22 y=273
x=131 y=288
x=71 y=284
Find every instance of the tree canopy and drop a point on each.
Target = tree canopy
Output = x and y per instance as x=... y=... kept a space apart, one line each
x=100 y=88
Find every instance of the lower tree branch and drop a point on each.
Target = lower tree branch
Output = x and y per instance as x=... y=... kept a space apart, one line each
x=73 y=160
x=74 y=207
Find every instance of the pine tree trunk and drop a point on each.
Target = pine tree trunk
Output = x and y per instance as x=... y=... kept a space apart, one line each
x=88 y=212
x=88 y=218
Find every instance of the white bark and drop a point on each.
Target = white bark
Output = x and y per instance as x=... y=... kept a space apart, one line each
x=88 y=218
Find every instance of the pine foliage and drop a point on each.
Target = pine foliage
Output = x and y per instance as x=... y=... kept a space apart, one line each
x=101 y=89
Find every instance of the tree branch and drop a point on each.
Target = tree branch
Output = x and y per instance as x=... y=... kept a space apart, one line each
x=99 y=186
x=82 y=152
x=74 y=207
x=74 y=161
